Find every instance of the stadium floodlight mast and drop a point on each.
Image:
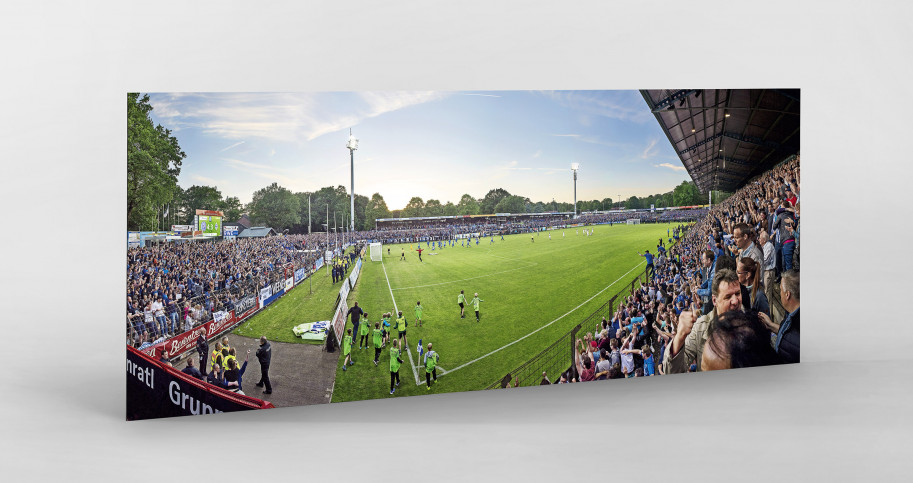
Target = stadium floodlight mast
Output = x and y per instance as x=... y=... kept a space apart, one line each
x=574 y=168
x=352 y=145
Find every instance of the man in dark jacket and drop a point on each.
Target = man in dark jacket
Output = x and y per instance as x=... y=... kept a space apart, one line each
x=264 y=354
x=356 y=314
x=202 y=348
x=787 y=341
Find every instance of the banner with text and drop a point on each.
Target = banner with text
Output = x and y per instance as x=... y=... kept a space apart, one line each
x=158 y=391
x=339 y=320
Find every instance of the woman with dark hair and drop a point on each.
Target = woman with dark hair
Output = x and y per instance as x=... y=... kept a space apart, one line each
x=737 y=339
x=749 y=272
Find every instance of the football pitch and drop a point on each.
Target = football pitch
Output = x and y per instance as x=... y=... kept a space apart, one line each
x=533 y=290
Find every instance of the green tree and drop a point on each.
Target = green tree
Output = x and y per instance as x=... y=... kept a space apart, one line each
x=200 y=198
x=468 y=205
x=153 y=165
x=377 y=208
x=434 y=208
x=450 y=209
x=491 y=200
x=275 y=207
x=511 y=204
x=606 y=204
x=233 y=208
x=632 y=203
x=686 y=194
x=415 y=207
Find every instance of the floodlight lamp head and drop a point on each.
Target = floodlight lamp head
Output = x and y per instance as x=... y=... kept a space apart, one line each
x=575 y=166
x=352 y=144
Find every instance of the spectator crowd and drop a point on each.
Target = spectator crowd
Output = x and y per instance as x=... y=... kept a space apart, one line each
x=726 y=296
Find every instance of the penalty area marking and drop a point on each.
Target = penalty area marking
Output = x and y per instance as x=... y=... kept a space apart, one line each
x=530 y=264
x=550 y=323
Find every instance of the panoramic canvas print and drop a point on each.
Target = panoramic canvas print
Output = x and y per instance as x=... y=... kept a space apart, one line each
x=287 y=249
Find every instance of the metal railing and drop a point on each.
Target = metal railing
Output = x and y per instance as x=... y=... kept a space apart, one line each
x=559 y=356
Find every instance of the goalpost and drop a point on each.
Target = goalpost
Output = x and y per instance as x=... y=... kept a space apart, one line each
x=633 y=221
x=377 y=253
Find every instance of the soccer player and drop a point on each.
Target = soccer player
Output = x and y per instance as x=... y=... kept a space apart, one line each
x=378 y=341
x=563 y=234
x=363 y=330
x=532 y=239
x=502 y=237
x=419 y=254
x=401 y=328
x=475 y=305
x=395 y=362
x=402 y=256
x=549 y=236
x=492 y=240
x=418 y=313
x=431 y=359
x=461 y=299
x=347 y=350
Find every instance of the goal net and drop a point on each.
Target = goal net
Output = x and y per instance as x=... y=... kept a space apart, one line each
x=377 y=253
x=634 y=221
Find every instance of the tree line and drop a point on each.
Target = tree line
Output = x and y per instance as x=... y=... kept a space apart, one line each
x=155 y=201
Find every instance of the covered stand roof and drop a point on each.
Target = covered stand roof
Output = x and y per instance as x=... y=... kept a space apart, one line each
x=725 y=137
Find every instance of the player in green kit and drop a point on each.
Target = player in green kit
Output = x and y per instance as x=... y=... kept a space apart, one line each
x=418 y=313
x=431 y=359
x=378 y=342
x=347 y=350
x=401 y=328
x=363 y=330
x=475 y=304
x=461 y=301
x=395 y=362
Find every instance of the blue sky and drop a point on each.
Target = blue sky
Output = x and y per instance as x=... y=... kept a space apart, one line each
x=434 y=144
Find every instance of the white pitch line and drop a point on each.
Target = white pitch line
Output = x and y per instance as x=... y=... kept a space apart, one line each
x=548 y=324
x=461 y=280
x=414 y=372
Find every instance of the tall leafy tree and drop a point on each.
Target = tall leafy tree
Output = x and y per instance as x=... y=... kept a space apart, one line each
x=200 y=198
x=275 y=207
x=450 y=209
x=153 y=164
x=376 y=208
x=233 y=208
x=468 y=205
x=415 y=207
x=511 y=204
x=491 y=200
x=434 y=208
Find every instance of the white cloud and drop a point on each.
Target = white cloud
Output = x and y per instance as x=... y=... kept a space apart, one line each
x=650 y=150
x=482 y=95
x=537 y=154
x=280 y=116
x=670 y=166
x=226 y=148
x=623 y=105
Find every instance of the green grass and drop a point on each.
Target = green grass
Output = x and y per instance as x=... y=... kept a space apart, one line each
x=294 y=308
x=524 y=285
